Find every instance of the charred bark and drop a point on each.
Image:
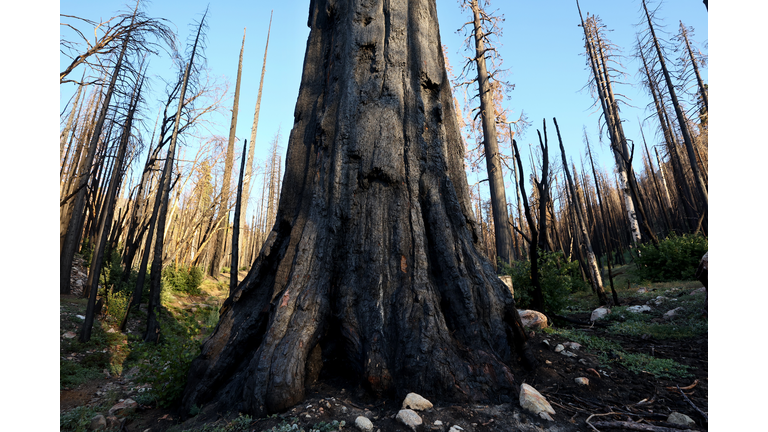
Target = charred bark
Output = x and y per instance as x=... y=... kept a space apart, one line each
x=373 y=258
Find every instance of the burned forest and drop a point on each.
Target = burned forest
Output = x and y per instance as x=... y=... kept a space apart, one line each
x=401 y=215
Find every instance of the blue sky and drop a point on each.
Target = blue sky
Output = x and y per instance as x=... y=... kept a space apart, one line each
x=541 y=47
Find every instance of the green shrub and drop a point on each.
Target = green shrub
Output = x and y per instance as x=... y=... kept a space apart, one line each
x=78 y=419
x=676 y=258
x=183 y=279
x=165 y=365
x=558 y=276
x=117 y=303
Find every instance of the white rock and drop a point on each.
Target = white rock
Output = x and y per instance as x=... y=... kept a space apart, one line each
x=572 y=345
x=409 y=418
x=639 y=309
x=599 y=313
x=701 y=290
x=559 y=348
x=455 y=428
x=533 y=319
x=438 y=423
x=642 y=290
x=657 y=301
x=681 y=419
x=80 y=316
x=363 y=424
x=533 y=401
x=69 y=335
x=568 y=353
x=416 y=402
x=582 y=381
x=672 y=313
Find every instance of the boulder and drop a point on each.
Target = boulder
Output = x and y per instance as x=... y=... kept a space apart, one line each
x=680 y=419
x=363 y=424
x=531 y=400
x=639 y=309
x=599 y=313
x=672 y=313
x=701 y=290
x=533 y=319
x=408 y=418
x=416 y=402
x=98 y=422
x=508 y=282
x=124 y=408
x=559 y=348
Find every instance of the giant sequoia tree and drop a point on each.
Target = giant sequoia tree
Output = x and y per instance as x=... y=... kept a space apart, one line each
x=372 y=266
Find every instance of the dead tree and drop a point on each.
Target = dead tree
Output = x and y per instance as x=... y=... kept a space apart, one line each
x=103 y=233
x=254 y=128
x=371 y=268
x=594 y=272
x=503 y=235
x=234 y=264
x=152 y=332
x=655 y=47
x=219 y=243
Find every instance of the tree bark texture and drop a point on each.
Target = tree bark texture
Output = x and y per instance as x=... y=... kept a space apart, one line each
x=372 y=263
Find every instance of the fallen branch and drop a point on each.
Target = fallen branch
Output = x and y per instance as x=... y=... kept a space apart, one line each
x=684 y=388
x=633 y=426
x=694 y=406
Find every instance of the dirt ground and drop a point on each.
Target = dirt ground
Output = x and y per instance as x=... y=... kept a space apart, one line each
x=614 y=393
x=633 y=397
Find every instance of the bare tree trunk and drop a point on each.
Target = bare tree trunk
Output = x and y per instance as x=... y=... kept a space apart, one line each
x=594 y=272
x=219 y=245
x=234 y=264
x=699 y=181
x=73 y=232
x=92 y=283
x=152 y=333
x=249 y=164
x=372 y=262
x=503 y=236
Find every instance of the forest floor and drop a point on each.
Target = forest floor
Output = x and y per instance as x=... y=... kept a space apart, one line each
x=634 y=362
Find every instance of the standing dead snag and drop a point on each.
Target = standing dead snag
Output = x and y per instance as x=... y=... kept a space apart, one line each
x=372 y=261
x=594 y=276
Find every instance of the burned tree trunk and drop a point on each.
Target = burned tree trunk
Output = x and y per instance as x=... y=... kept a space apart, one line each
x=373 y=259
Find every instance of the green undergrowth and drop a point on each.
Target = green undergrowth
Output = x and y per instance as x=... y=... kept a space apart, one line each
x=189 y=313
x=611 y=352
x=79 y=418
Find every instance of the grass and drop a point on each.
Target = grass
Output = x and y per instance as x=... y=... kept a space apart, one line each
x=688 y=323
x=611 y=352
